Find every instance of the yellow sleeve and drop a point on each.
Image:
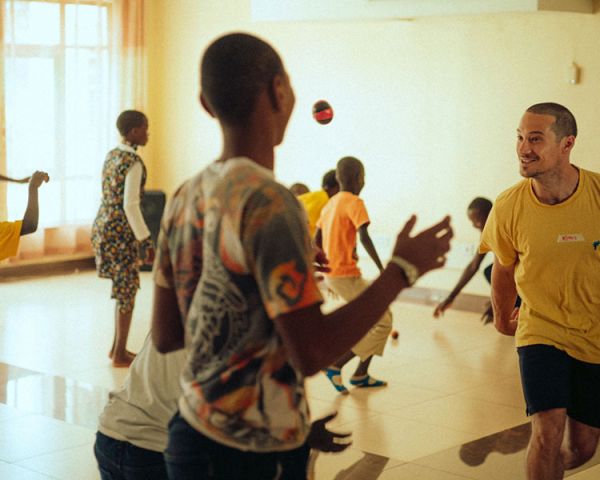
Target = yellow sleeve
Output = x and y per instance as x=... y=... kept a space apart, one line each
x=10 y=234
x=496 y=238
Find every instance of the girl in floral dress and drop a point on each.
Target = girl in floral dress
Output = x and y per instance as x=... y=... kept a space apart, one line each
x=120 y=236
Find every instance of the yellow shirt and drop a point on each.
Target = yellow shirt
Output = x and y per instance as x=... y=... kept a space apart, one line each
x=313 y=203
x=10 y=234
x=556 y=252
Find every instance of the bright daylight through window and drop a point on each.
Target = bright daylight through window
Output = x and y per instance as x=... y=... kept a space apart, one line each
x=58 y=100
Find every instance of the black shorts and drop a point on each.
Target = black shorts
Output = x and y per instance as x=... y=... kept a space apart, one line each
x=552 y=379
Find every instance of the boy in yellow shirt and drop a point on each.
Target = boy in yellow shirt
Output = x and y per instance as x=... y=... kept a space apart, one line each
x=10 y=232
x=313 y=202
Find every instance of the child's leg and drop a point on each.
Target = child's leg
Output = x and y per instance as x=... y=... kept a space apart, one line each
x=125 y=288
x=334 y=372
x=361 y=377
x=121 y=356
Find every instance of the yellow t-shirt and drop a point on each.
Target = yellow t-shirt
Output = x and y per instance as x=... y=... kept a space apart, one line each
x=313 y=203
x=10 y=234
x=556 y=252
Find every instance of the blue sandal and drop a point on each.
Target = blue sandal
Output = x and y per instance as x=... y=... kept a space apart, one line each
x=335 y=377
x=367 y=382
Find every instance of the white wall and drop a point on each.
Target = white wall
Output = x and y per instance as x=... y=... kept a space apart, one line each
x=430 y=105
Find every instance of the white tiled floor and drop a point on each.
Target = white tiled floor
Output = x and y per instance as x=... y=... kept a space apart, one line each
x=451 y=382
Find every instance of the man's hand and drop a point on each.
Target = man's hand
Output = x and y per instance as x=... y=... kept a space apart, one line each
x=37 y=179
x=441 y=308
x=325 y=440
x=426 y=250
x=508 y=327
x=149 y=255
x=321 y=261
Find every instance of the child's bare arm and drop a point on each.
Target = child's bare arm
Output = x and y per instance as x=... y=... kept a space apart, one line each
x=167 y=327
x=468 y=273
x=30 y=219
x=366 y=241
x=319 y=239
x=15 y=180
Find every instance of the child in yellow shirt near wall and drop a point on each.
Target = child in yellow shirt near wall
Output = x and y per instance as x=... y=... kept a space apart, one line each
x=11 y=232
x=342 y=218
x=313 y=202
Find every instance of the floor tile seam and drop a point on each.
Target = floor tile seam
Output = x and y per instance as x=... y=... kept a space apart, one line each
x=62 y=375
x=463 y=394
x=470 y=432
x=37 y=472
x=500 y=403
x=53 y=452
x=430 y=468
x=413 y=459
x=455 y=430
x=27 y=413
x=436 y=424
x=338 y=425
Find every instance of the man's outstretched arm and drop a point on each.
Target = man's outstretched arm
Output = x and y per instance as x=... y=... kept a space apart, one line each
x=315 y=340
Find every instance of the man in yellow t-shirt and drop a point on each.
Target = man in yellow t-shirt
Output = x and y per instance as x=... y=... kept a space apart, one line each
x=314 y=202
x=10 y=232
x=545 y=233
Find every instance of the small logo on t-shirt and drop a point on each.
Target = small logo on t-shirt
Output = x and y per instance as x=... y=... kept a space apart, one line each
x=570 y=237
x=596 y=244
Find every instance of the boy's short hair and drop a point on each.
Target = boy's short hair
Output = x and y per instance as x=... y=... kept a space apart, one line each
x=233 y=71
x=481 y=205
x=128 y=120
x=347 y=167
x=329 y=180
x=565 y=123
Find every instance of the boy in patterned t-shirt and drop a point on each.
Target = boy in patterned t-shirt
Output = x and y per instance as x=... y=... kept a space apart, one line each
x=254 y=328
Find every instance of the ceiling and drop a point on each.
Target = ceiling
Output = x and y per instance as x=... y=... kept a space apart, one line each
x=339 y=10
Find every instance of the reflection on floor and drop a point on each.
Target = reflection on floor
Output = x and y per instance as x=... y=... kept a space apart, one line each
x=452 y=410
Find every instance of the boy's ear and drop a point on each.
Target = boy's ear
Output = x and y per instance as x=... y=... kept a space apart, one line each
x=276 y=92
x=206 y=106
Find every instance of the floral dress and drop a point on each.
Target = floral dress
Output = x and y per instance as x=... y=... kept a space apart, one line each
x=116 y=249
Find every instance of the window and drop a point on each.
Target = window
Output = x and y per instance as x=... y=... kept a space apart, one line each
x=59 y=103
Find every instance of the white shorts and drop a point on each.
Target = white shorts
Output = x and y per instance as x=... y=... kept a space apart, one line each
x=373 y=343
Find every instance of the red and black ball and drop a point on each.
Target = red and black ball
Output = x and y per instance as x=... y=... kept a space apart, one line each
x=322 y=112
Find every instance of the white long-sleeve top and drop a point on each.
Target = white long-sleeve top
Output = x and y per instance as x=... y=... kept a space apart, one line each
x=131 y=202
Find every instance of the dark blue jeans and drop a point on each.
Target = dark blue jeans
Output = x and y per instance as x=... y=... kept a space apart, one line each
x=192 y=456
x=123 y=461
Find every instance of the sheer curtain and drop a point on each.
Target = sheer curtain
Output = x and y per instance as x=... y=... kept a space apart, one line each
x=68 y=68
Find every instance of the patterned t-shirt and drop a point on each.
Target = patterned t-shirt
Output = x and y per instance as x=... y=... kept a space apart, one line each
x=234 y=245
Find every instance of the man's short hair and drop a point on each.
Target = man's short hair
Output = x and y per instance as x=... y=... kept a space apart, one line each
x=128 y=120
x=329 y=180
x=481 y=205
x=565 y=123
x=234 y=70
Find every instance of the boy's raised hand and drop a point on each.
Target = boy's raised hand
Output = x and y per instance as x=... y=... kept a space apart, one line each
x=427 y=250
x=38 y=178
